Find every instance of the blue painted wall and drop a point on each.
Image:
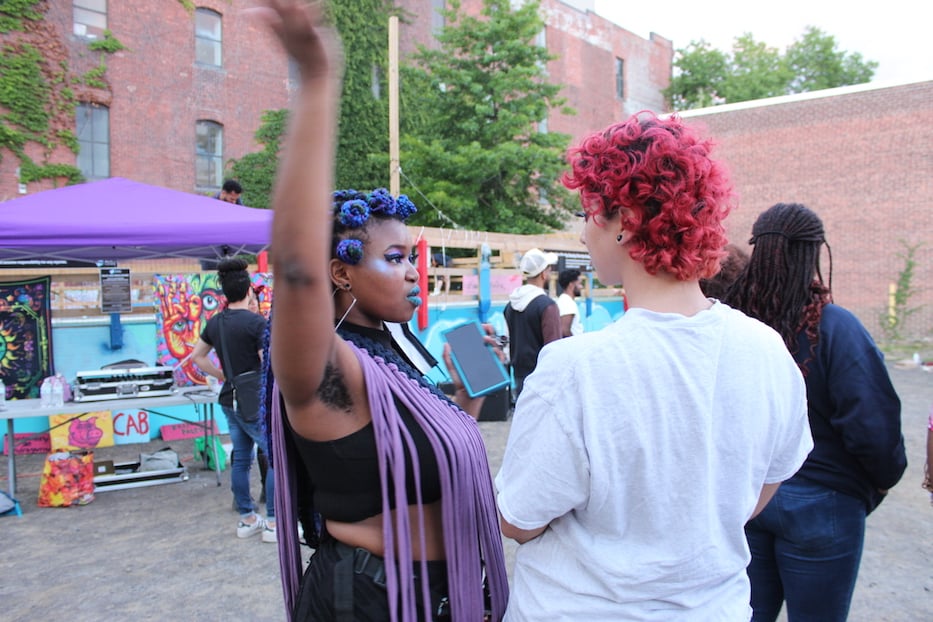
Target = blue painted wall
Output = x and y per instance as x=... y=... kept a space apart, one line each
x=85 y=345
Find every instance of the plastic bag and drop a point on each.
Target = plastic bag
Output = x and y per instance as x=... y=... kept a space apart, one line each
x=67 y=479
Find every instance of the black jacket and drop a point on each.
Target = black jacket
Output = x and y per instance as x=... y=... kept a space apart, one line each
x=855 y=413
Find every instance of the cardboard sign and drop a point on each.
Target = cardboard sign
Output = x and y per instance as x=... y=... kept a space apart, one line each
x=178 y=431
x=130 y=426
x=93 y=429
x=28 y=444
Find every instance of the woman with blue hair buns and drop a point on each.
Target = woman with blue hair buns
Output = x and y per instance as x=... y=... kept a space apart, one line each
x=396 y=470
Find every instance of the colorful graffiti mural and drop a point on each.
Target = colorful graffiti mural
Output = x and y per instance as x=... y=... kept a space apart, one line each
x=184 y=303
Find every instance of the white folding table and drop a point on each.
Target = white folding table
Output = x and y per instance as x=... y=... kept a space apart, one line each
x=201 y=398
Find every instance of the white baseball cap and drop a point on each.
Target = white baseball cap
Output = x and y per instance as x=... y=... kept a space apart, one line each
x=535 y=261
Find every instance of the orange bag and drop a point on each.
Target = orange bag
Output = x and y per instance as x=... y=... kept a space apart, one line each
x=67 y=479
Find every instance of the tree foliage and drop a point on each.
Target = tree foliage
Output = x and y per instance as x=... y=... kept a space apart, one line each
x=471 y=143
x=753 y=70
x=256 y=171
x=363 y=132
x=468 y=113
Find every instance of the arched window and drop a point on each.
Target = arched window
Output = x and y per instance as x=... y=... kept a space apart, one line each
x=92 y=127
x=209 y=155
x=208 y=38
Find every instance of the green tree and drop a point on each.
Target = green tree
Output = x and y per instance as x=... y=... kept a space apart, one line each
x=698 y=82
x=816 y=63
x=756 y=71
x=706 y=76
x=472 y=145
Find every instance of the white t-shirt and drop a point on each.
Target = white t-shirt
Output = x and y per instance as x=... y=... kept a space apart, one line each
x=566 y=305
x=644 y=447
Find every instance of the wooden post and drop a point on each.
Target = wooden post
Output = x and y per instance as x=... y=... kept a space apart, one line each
x=394 y=186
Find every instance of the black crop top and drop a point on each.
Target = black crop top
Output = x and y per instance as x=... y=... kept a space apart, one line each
x=345 y=472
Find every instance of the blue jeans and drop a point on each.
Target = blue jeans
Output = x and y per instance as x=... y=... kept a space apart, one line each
x=243 y=436
x=806 y=548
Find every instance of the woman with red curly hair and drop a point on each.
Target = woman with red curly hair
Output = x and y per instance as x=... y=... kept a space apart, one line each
x=637 y=453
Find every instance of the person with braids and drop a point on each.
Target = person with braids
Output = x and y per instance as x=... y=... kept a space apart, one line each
x=807 y=543
x=637 y=453
x=397 y=471
x=236 y=333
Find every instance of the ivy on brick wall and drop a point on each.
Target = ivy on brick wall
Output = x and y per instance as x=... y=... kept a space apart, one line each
x=363 y=135
x=37 y=89
x=256 y=171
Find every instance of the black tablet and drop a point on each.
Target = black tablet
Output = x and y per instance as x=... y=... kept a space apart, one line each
x=477 y=364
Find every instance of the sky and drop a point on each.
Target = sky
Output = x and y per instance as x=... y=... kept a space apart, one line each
x=895 y=33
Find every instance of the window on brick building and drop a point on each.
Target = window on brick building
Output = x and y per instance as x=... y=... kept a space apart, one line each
x=437 y=18
x=92 y=127
x=209 y=155
x=90 y=18
x=620 y=78
x=208 y=38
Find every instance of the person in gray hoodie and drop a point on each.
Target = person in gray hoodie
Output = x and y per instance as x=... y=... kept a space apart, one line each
x=531 y=315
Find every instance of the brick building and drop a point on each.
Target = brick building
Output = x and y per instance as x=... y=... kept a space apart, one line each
x=862 y=158
x=184 y=96
x=608 y=73
x=187 y=93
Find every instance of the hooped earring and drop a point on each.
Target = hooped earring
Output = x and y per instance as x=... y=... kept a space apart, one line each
x=345 y=313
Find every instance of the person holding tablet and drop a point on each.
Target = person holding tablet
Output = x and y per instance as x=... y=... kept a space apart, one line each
x=397 y=471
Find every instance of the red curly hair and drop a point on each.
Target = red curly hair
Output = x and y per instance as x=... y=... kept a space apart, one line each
x=661 y=171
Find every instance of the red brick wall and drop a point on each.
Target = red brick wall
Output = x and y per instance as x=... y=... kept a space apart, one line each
x=587 y=46
x=158 y=93
x=862 y=158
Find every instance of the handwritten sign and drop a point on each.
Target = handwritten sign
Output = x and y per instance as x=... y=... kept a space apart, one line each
x=179 y=431
x=499 y=284
x=28 y=444
x=130 y=426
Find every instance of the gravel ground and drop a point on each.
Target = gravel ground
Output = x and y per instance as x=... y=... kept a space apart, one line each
x=169 y=551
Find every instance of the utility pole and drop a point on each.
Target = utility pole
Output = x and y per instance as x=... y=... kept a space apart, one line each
x=394 y=186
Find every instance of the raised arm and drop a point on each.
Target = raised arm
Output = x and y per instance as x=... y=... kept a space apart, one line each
x=303 y=338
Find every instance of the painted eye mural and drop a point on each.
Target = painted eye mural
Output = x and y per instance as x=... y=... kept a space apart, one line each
x=184 y=303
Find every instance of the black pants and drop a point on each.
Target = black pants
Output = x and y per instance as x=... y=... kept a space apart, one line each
x=321 y=587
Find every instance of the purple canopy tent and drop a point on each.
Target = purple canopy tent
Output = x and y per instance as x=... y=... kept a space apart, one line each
x=118 y=219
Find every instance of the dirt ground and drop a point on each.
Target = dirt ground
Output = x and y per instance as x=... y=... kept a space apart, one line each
x=170 y=552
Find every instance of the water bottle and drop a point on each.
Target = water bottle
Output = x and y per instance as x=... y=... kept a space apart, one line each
x=66 y=389
x=58 y=392
x=45 y=393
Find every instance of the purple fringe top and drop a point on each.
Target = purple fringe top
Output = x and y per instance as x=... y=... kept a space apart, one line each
x=472 y=540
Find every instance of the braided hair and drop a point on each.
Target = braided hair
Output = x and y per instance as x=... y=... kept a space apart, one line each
x=386 y=353
x=782 y=285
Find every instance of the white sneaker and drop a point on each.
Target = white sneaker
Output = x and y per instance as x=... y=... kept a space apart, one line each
x=245 y=530
x=268 y=532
